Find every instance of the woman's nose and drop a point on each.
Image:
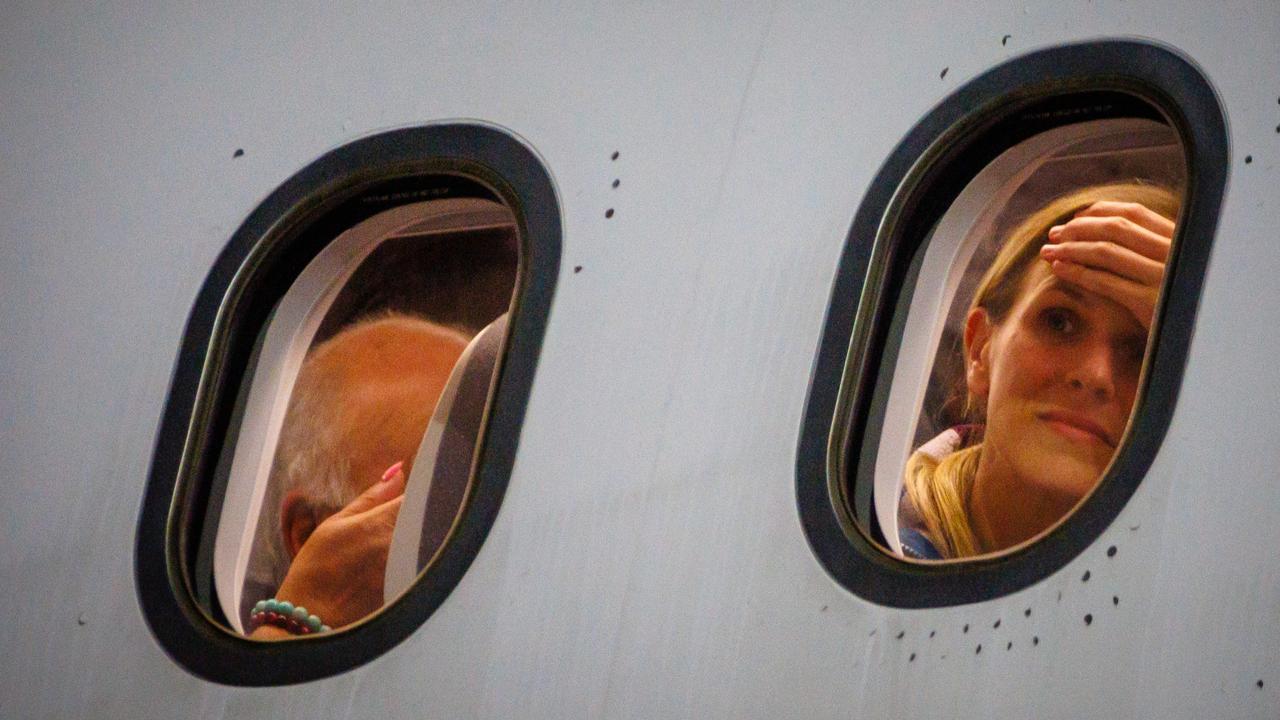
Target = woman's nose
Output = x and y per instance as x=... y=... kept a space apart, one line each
x=1094 y=371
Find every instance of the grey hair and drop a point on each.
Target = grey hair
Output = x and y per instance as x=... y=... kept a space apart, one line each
x=308 y=458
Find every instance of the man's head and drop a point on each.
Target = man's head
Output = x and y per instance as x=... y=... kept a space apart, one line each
x=361 y=402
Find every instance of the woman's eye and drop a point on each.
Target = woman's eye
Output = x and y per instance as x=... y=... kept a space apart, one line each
x=1060 y=321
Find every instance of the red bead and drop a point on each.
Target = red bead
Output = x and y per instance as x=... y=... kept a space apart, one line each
x=285 y=622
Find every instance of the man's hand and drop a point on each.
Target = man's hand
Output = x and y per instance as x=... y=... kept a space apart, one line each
x=1117 y=250
x=338 y=573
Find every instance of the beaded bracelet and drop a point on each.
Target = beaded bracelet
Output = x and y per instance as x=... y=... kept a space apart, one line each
x=283 y=614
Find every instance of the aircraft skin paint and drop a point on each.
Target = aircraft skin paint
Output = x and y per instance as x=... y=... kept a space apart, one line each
x=648 y=560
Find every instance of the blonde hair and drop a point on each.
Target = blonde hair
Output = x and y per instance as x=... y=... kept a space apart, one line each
x=938 y=489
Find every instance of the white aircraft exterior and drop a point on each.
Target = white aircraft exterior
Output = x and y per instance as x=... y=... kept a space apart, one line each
x=703 y=165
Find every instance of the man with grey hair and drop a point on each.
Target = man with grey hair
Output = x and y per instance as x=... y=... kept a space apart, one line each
x=358 y=412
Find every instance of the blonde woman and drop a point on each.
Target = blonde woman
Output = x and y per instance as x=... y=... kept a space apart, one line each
x=1053 y=346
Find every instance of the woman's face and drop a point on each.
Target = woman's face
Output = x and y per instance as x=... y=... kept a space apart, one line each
x=1058 y=375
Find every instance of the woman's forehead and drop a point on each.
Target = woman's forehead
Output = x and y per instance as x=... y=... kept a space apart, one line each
x=1041 y=280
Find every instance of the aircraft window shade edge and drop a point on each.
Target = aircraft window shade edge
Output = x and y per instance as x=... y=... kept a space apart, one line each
x=865 y=324
x=451 y=441
x=246 y=298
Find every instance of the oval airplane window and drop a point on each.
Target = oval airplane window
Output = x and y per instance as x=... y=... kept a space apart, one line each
x=345 y=409
x=351 y=371
x=1008 y=324
x=937 y=427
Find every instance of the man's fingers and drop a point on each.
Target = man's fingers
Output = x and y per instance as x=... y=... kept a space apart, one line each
x=1136 y=213
x=388 y=487
x=385 y=514
x=1109 y=257
x=1114 y=229
x=1138 y=299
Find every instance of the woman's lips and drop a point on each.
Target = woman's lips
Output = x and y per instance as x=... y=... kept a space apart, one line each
x=1076 y=427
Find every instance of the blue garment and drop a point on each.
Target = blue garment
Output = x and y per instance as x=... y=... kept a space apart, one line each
x=916 y=545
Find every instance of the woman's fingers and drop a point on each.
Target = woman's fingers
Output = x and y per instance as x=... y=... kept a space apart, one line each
x=1115 y=249
x=1138 y=298
x=1114 y=229
x=1136 y=213
x=1109 y=257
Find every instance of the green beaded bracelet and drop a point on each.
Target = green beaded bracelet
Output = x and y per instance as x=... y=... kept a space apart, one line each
x=284 y=614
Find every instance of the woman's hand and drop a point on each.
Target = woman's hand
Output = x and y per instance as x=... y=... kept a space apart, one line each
x=338 y=573
x=1117 y=250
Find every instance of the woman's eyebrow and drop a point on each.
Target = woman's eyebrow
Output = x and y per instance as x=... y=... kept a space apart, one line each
x=1072 y=291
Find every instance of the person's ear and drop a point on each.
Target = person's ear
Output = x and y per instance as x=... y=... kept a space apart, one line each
x=297 y=521
x=977 y=344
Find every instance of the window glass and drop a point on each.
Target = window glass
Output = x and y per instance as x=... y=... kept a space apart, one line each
x=352 y=452
x=1023 y=341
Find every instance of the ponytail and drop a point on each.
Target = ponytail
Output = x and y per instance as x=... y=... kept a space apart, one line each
x=939 y=491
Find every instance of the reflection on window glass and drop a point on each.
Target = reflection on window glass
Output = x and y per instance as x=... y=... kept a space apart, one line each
x=1037 y=296
x=371 y=346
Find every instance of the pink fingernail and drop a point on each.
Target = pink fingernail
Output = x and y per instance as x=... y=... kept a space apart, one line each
x=1048 y=249
x=1055 y=231
x=391 y=471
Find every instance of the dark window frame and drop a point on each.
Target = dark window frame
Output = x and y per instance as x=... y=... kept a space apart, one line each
x=860 y=339
x=254 y=270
